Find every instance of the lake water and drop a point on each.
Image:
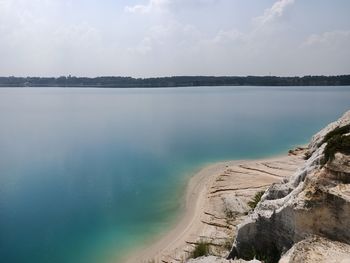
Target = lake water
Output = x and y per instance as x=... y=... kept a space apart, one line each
x=87 y=174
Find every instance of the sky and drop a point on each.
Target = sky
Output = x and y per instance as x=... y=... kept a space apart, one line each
x=154 y=38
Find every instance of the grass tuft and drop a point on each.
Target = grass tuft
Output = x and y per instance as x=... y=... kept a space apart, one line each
x=201 y=249
x=256 y=199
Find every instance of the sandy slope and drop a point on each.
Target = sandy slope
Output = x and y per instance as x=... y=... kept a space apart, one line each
x=216 y=189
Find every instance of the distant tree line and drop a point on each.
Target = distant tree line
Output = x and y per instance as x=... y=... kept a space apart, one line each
x=178 y=81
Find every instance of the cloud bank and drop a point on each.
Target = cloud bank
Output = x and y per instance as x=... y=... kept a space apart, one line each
x=173 y=37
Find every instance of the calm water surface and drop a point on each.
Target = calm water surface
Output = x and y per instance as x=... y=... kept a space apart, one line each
x=86 y=174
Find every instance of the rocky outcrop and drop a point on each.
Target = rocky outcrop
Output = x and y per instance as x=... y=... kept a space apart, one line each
x=317 y=249
x=315 y=201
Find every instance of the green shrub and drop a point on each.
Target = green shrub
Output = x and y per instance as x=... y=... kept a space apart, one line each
x=201 y=249
x=337 y=143
x=337 y=131
x=256 y=199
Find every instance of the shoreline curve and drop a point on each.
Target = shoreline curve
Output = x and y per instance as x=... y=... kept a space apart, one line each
x=190 y=223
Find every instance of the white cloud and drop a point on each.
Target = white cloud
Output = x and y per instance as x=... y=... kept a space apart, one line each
x=170 y=36
x=152 y=5
x=229 y=37
x=327 y=52
x=276 y=11
x=35 y=42
x=231 y=51
x=334 y=39
x=263 y=35
x=167 y=5
x=143 y=48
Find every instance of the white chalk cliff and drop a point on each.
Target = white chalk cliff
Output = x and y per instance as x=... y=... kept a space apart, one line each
x=314 y=202
x=306 y=217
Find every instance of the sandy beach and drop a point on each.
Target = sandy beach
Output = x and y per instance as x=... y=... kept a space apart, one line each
x=216 y=202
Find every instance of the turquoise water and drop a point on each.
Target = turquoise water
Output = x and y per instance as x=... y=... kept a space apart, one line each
x=86 y=174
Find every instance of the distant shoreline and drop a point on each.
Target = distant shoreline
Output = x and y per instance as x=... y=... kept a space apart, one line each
x=176 y=81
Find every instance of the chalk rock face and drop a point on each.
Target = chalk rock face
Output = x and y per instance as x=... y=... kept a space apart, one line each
x=317 y=249
x=314 y=201
x=317 y=139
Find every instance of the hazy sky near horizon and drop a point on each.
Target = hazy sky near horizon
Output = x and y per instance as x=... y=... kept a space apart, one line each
x=144 y=38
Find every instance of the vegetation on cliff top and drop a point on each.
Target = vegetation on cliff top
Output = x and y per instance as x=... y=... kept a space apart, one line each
x=337 y=141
